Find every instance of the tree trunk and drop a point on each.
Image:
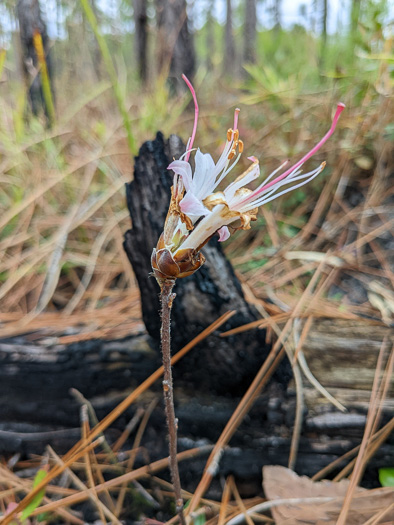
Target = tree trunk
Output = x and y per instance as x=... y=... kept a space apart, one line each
x=210 y=36
x=250 y=32
x=140 y=38
x=277 y=15
x=229 y=44
x=324 y=34
x=314 y=10
x=175 y=42
x=31 y=21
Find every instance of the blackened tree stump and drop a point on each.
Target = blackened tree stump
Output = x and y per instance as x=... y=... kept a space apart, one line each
x=221 y=365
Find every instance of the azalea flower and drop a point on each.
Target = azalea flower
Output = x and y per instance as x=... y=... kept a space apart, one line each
x=199 y=209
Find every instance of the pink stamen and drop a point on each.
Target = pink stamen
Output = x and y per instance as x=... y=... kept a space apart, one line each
x=339 y=110
x=193 y=92
x=236 y=113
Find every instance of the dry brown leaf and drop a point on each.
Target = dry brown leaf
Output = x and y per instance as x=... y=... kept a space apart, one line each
x=281 y=483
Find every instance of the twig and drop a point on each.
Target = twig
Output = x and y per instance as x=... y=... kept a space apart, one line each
x=167 y=298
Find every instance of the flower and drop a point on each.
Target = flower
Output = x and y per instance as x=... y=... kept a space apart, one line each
x=198 y=209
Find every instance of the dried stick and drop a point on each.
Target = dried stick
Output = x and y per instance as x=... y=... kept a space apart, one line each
x=167 y=298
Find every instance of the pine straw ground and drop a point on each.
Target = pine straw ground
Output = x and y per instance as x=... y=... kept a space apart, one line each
x=324 y=252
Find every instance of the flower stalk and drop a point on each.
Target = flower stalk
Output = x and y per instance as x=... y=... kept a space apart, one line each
x=167 y=298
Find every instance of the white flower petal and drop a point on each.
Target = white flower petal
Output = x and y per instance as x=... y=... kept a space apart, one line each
x=182 y=168
x=229 y=192
x=210 y=224
x=204 y=176
x=192 y=206
x=224 y=234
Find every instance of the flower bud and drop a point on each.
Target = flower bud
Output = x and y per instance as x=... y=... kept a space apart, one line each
x=166 y=265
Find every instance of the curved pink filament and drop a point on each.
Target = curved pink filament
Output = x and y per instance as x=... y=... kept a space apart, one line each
x=339 y=110
x=236 y=113
x=191 y=140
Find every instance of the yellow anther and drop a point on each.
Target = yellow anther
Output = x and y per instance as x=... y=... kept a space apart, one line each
x=231 y=155
x=236 y=135
x=240 y=146
x=229 y=134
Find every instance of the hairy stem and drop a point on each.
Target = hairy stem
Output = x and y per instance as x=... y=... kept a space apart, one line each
x=167 y=298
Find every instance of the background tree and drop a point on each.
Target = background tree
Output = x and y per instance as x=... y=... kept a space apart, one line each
x=229 y=44
x=250 y=32
x=313 y=16
x=210 y=36
x=277 y=12
x=140 y=37
x=31 y=23
x=323 y=47
x=175 y=47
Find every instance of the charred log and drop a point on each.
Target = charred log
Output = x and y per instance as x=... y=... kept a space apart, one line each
x=37 y=408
